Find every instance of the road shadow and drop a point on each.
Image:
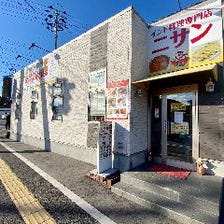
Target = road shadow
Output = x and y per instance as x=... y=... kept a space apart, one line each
x=221 y=204
x=24 y=151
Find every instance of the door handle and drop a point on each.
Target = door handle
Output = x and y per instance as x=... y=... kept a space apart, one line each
x=165 y=126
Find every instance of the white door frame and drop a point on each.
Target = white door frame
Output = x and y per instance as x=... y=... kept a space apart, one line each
x=195 y=127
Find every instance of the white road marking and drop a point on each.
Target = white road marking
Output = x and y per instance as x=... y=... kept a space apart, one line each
x=100 y=217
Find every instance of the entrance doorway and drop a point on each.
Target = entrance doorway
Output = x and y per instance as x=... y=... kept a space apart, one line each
x=174 y=127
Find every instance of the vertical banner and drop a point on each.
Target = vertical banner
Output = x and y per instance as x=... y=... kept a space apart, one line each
x=118 y=100
x=104 y=147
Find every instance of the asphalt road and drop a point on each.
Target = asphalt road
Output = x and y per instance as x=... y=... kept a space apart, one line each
x=72 y=174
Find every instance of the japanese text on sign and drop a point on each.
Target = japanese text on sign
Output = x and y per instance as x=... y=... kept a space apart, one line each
x=187 y=41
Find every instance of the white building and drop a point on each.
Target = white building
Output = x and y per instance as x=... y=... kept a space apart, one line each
x=105 y=74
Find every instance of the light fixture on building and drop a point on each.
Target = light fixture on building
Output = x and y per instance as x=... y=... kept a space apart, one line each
x=139 y=92
x=210 y=86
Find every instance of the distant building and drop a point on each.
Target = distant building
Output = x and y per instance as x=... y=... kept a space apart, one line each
x=7 y=89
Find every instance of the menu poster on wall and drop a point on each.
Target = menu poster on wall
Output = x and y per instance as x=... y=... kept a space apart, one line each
x=191 y=39
x=117 y=100
x=97 y=85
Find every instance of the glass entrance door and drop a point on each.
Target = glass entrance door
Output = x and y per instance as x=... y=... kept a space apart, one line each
x=174 y=127
x=179 y=126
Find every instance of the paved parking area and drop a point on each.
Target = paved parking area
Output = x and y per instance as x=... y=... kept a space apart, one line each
x=72 y=174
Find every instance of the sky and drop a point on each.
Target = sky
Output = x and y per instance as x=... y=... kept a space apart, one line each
x=24 y=36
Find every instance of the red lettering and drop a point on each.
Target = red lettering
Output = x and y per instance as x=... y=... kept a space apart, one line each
x=198 y=16
x=208 y=13
x=45 y=65
x=180 y=23
x=188 y=20
x=172 y=26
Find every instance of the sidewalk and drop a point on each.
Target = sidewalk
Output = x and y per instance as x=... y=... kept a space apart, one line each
x=72 y=175
x=196 y=199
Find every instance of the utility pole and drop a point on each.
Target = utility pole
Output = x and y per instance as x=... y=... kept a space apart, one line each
x=55 y=22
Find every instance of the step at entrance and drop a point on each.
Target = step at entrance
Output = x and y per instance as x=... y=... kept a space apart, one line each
x=195 y=200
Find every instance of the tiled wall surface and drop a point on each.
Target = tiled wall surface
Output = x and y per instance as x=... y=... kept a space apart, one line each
x=119 y=45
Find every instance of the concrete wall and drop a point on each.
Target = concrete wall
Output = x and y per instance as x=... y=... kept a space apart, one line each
x=211 y=124
x=113 y=45
x=139 y=101
x=73 y=68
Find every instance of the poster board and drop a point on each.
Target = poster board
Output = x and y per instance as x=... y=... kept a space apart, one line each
x=118 y=100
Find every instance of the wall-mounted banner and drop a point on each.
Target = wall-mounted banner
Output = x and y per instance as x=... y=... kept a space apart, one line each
x=97 y=86
x=191 y=39
x=43 y=71
x=118 y=100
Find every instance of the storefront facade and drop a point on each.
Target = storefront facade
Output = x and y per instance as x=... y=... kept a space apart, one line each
x=113 y=79
x=186 y=88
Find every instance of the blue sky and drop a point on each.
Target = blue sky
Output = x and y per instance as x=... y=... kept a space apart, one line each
x=22 y=23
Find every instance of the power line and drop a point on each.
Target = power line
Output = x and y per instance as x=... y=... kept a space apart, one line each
x=34 y=45
x=54 y=19
x=179 y=5
x=31 y=11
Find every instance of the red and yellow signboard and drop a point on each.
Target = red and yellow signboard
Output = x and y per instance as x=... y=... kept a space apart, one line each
x=187 y=40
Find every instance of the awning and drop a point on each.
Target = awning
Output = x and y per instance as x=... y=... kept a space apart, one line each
x=212 y=68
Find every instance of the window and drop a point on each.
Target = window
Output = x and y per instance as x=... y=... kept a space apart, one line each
x=33 y=111
x=97 y=96
x=58 y=100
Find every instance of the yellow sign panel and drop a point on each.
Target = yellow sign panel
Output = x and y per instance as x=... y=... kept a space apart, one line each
x=182 y=128
x=177 y=107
